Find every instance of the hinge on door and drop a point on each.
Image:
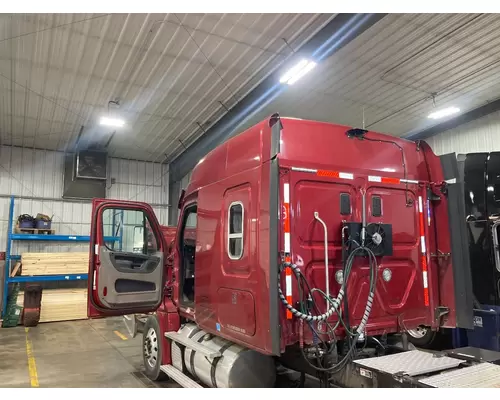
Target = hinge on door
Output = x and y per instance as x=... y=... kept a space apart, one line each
x=440 y=312
x=167 y=290
x=170 y=260
x=441 y=255
x=431 y=196
x=441 y=186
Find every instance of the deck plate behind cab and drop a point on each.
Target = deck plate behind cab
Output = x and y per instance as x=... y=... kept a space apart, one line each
x=483 y=375
x=410 y=363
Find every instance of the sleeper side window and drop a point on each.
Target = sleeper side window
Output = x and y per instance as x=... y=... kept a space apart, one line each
x=235 y=231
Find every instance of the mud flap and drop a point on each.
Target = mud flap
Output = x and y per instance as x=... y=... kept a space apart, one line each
x=459 y=242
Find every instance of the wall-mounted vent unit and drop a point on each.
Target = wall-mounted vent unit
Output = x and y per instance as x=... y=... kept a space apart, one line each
x=85 y=175
x=91 y=164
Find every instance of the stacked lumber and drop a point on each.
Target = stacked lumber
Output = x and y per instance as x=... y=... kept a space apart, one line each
x=61 y=304
x=54 y=263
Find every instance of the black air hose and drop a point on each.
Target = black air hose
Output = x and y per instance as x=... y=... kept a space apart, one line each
x=335 y=306
x=337 y=301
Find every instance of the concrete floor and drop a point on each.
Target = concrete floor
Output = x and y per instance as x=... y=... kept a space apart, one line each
x=73 y=354
x=90 y=353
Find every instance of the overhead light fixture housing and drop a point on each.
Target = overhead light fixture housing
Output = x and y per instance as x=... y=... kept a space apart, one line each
x=297 y=72
x=114 y=122
x=445 y=112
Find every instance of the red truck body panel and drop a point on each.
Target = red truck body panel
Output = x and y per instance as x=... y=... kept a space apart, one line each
x=278 y=174
x=168 y=233
x=233 y=296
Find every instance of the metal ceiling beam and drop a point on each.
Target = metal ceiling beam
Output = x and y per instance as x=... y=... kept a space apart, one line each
x=456 y=121
x=340 y=31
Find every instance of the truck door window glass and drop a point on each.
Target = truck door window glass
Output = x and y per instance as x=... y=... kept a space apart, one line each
x=345 y=204
x=376 y=206
x=188 y=253
x=132 y=231
x=235 y=234
x=191 y=220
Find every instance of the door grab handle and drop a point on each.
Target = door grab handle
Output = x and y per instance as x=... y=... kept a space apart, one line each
x=316 y=216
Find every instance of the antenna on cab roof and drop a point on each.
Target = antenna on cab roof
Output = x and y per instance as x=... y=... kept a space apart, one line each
x=356 y=132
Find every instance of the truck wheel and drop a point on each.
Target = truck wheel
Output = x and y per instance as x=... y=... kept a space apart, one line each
x=151 y=349
x=422 y=336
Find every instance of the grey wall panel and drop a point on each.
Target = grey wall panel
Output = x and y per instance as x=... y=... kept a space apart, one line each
x=479 y=135
x=38 y=174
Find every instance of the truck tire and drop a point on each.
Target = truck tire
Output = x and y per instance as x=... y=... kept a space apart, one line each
x=152 y=349
x=422 y=337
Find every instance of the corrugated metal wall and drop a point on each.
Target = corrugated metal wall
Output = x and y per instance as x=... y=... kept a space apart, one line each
x=39 y=174
x=480 y=135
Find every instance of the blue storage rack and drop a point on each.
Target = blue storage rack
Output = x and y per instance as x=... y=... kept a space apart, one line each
x=46 y=238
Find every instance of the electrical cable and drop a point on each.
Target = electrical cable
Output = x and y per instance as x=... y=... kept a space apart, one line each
x=405 y=174
x=335 y=305
x=346 y=302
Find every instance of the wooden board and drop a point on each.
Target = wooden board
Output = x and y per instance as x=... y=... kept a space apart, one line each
x=61 y=304
x=16 y=268
x=54 y=263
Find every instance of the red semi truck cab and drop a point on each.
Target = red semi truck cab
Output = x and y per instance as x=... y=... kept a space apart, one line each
x=292 y=232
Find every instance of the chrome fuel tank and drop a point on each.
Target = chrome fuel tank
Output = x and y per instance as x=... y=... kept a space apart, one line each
x=238 y=367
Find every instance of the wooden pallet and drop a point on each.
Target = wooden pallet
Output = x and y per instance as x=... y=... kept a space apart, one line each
x=61 y=304
x=34 y=231
x=55 y=263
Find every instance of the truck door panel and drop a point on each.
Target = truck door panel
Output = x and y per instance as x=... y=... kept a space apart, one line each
x=404 y=220
x=400 y=298
x=236 y=301
x=129 y=278
x=328 y=198
x=187 y=257
x=125 y=274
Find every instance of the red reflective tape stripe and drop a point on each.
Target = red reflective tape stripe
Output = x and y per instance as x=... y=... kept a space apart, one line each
x=423 y=250
x=286 y=217
x=335 y=174
x=424 y=279
x=329 y=174
x=424 y=263
x=421 y=217
x=347 y=175
x=426 y=296
x=286 y=221
x=394 y=181
x=391 y=180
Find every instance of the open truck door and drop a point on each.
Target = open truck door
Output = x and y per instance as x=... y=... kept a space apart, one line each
x=126 y=275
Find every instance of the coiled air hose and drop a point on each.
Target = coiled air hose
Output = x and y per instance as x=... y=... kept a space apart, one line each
x=337 y=301
x=301 y=315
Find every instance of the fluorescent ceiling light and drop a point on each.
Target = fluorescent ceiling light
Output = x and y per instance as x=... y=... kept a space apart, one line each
x=112 y=122
x=445 y=112
x=297 y=72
